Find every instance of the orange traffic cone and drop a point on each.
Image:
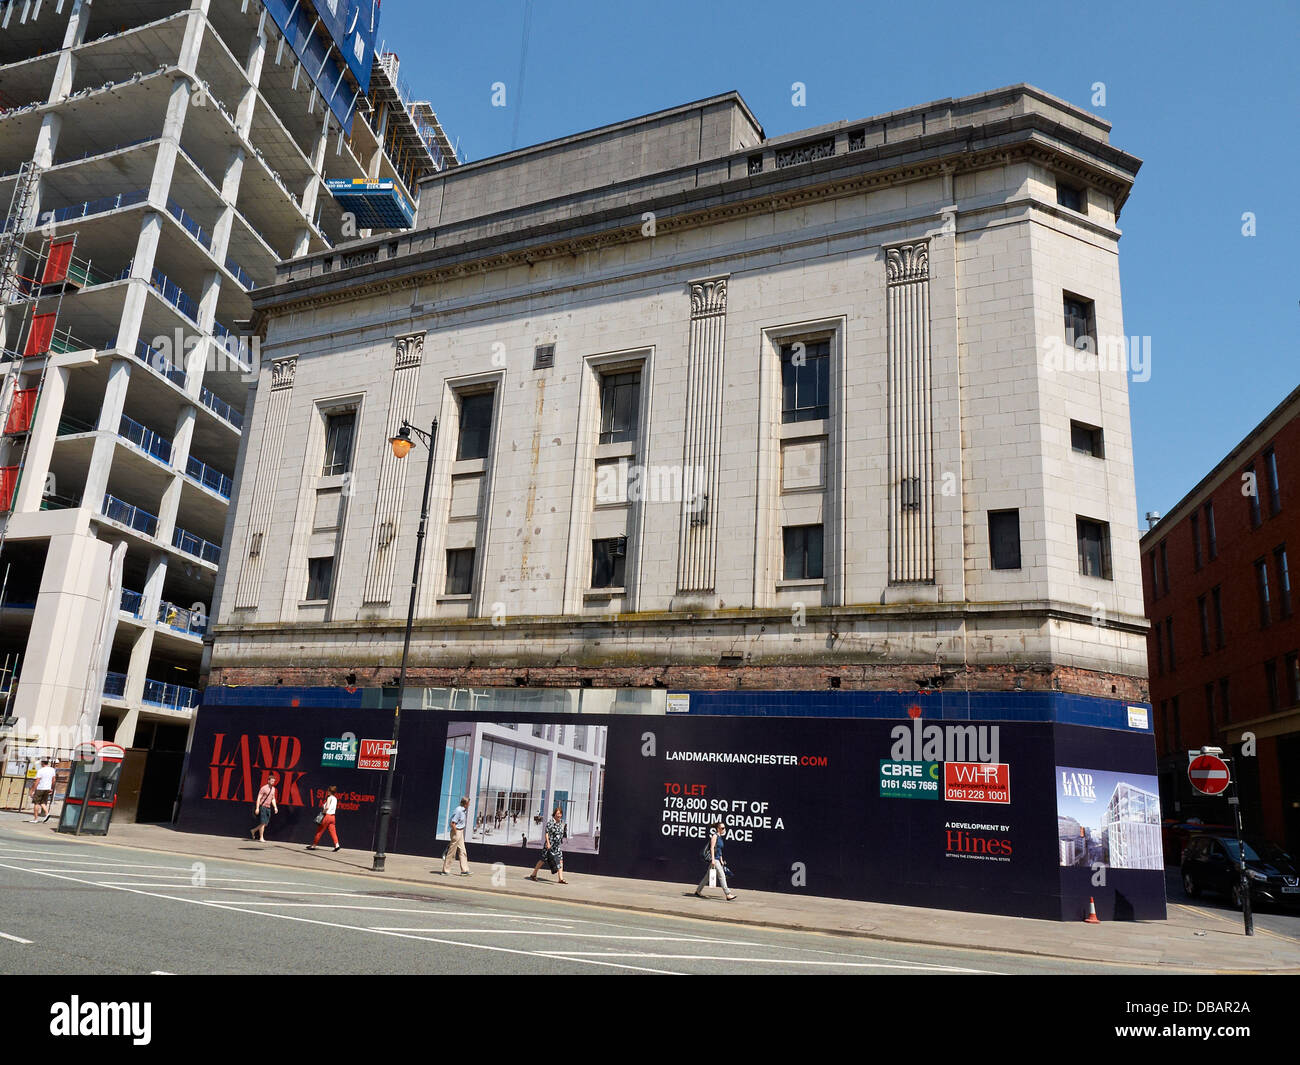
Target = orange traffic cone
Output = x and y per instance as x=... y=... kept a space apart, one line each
x=1092 y=912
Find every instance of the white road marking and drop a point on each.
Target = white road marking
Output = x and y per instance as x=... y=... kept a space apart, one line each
x=159 y=972
x=566 y=921
x=576 y=954
x=230 y=908
x=564 y=935
x=16 y=939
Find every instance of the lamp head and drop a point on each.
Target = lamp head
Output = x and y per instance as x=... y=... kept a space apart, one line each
x=402 y=442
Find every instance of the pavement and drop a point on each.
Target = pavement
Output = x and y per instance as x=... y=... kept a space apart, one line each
x=1192 y=938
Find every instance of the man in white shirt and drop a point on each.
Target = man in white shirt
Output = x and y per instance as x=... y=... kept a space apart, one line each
x=43 y=792
x=457 y=845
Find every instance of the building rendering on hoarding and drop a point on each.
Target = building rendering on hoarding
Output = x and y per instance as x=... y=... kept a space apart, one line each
x=837 y=409
x=1225 y=638
x=158 y=160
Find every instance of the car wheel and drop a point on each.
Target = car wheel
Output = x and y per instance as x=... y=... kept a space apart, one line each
x=1189 y=885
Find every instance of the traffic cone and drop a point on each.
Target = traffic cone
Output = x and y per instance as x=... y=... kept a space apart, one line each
x=1092 y=912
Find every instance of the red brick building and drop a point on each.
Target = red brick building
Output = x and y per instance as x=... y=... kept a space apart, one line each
x=1217 y=578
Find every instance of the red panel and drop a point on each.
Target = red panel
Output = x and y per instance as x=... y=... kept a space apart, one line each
x=56 y=266
x=40 y=334
x=20 y=412
x=8 y=481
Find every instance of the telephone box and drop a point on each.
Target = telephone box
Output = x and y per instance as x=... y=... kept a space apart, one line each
x=92 y=790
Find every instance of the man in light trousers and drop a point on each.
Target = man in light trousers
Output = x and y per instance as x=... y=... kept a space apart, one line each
x=457 y=845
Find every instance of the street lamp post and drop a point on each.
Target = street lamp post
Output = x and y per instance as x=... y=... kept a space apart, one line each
x=401 y=445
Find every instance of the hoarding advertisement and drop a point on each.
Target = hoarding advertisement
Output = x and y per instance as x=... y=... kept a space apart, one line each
x=812 y=804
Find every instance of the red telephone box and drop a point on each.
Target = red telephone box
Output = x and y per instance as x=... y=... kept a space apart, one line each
x=92 y=791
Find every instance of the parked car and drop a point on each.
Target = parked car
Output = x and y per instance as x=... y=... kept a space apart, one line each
x=1174 y=835
x=1210 y=864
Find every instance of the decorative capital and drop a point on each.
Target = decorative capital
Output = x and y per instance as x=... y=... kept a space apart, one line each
x=282 y=371
x=708 y=297
x=908 y=262
x=410 y=350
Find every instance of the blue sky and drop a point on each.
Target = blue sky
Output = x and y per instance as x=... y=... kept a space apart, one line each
x=1207 y=96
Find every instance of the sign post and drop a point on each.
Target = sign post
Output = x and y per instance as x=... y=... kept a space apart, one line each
x=1211 y=775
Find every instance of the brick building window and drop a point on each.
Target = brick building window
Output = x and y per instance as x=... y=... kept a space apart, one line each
x=1225 y=703
x=1293 y=678
x=1169 y=636
x=1195 y=521
x=1209 y=707
x=1178 y=725
x=1270 y=685
x=1283 y=580
x=1216 y=595
x=803 y=552
x=1094 y=547
x=460 y=571
x=1255 y=516
x=1261 y=586
x=1211 y=540
x=1158 y=635
x=1164 y=564
x=1203 y=609
x=1155 y=576
x=1004 y=538
x=1271 y=480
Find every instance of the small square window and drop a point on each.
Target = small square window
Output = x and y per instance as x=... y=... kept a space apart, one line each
x=805 y=381
x=620 y=403
x=1086 y=439
x=1094 y=547
x=460 y=571
x=608 y=562
x=339 y=429
x=543 y=356
x=320 y=576
x=1071 y=196
x=475 y=425
x=1079 y=321
x=803 y=552
x=1004 y=538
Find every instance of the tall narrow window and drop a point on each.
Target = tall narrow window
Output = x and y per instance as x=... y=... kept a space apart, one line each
x=1211 y=540
x=1261 y=586
x=1225 y=701
x=1078 y=324
x=1270 y=478
x=460 y=571
x=1094 y=547
x=1270 y=685
x=608 y=562
x=1253 y=483
x=1283 y=580
x=1164 y=564
x=475 y=425
x=805 y=381
x=320 y=578
x=1203 y=609
x=1004 y=538
x=1155 y=575
x=1196 y=540
x=620 y=401
x=1209 y=707
x=1178 y=724
x=803 y=552
x=1169 y=636
x=1158 y=635
x=338 y=443
x=1216 y=595
x=1293 y=678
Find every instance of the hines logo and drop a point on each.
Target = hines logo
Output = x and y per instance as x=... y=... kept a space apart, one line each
x=103 y=1018
x=978 y=842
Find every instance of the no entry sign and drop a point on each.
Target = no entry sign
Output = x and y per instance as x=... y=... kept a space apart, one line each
x=1208 y=774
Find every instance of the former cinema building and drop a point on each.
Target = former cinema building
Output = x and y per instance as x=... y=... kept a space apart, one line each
x=819 y=429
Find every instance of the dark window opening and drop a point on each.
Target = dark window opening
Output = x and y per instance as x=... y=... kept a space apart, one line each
x=1094 y=548
x=805 y=381
x=339 y=429
x=1004 y=538
x=620 y=401
x=1086 y=439
x=608 y=562
x=475 y=425
x=1071 y=196
x=803 y=552
x=320 y=576
x=460 y=571
x=1079 y=324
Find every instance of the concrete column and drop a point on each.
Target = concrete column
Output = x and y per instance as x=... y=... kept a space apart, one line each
x=72 y=37
x=110 y=419
x=146 y=250
x=248 y=102
x=173 y=122
x=171 y=499
x=47 y=140
x=137 y=672
x=45 y=428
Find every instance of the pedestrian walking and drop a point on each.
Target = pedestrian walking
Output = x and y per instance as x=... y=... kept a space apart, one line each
x=457 y=845
x=43 y=792
x=716 y=862
x=325 y=818
x=263 y=808
x=553 y=852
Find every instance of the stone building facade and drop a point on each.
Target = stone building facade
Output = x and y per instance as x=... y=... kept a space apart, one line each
x=832 y=409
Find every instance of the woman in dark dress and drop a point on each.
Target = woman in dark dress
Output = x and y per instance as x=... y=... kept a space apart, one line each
x=554 y=840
